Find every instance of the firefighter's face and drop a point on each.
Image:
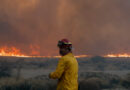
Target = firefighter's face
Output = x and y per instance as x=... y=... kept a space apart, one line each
x=63 y=51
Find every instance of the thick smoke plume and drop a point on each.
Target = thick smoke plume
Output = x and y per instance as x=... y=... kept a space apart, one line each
x=95 y=27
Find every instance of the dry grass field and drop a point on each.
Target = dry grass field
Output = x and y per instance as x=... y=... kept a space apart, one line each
x=95 y=73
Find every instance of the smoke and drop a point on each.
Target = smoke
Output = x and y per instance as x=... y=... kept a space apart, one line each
x=95 y=27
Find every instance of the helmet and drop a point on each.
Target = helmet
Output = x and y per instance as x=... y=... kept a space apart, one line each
x=65 y=43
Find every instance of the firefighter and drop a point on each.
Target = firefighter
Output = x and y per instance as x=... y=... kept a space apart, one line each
x=67 y=68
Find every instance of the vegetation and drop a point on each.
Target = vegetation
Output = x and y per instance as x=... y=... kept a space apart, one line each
x=92 y=81
x=5 y=69
x=92 y=74
x=126 y=81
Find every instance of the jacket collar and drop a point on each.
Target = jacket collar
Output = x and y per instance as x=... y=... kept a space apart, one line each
x=70 y=54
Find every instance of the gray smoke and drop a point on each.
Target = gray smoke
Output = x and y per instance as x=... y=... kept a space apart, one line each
x=95 y=27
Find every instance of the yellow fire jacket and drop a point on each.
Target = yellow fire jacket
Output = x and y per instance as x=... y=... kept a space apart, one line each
x=66 y=73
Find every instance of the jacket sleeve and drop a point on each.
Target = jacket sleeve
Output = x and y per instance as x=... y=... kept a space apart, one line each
x=59 y=70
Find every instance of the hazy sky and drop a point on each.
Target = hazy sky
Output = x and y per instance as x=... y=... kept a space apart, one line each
x=95 y=27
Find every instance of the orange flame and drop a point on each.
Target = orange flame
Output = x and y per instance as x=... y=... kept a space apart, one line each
x=82 y=56
x=13 y=51
x=118 y=55
x=5 y=51
x=35 y=50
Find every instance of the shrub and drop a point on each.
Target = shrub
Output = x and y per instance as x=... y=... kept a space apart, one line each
x=5 y=69
x=90 y=84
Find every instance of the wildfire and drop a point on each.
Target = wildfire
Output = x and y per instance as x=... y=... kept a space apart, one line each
x=118 y=55
x=82 y=56
x=5 y=51
x=13 y=51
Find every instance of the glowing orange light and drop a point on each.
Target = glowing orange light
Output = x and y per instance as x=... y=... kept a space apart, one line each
x=13 y=51
x=5 y=51
x=82 y=56
x=118 y=55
